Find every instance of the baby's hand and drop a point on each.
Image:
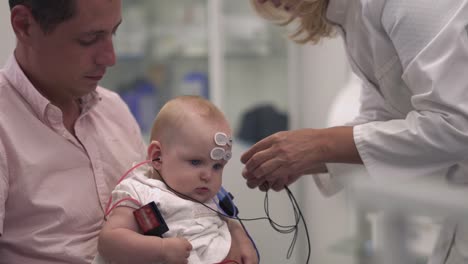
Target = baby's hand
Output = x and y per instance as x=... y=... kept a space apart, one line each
x=176 y=250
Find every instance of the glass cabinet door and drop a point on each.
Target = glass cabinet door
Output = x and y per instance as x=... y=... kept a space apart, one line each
x=256 y=102
x=256 y=73
x=162 y=51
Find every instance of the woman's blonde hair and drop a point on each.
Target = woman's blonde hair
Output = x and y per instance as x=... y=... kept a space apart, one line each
x=310 y=15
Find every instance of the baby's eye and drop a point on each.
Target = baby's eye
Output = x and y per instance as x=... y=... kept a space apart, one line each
x=195 y=162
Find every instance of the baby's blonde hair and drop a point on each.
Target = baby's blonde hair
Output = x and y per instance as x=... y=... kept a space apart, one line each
x=310 y=15
x=175 y=113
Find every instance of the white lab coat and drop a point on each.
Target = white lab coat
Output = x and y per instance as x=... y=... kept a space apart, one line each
x=412 y=56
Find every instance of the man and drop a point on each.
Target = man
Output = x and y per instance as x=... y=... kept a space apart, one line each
x=64 y=141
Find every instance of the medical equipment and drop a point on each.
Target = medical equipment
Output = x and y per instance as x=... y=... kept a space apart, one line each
x=150 y=220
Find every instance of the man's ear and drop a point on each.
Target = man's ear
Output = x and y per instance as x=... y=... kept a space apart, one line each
x=22 y=21
x=154 y=154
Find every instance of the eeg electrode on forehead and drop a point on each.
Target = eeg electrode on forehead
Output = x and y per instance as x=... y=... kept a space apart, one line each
x=219 y=153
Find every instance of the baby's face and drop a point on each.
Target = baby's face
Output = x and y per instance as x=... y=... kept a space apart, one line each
x=193 y=163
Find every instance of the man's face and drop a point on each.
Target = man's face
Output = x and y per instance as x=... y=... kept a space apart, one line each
x=72 y=58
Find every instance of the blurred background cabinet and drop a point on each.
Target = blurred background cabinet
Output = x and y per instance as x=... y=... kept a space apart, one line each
x=217 y=49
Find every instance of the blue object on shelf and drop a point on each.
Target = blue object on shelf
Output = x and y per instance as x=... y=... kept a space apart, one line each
x=196 y=83
x=141 y=98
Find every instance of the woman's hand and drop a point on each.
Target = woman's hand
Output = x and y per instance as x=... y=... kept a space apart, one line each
x=280 y=159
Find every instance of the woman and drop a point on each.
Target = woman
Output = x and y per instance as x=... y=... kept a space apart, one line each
x=411 y=56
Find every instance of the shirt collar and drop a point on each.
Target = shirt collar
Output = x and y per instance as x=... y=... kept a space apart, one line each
x=36 y=100
x=336 y=11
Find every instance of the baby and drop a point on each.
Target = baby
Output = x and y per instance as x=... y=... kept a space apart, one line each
x=190 y=145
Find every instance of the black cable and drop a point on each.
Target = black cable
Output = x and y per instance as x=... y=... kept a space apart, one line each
x=303 y=221
x=283 y=229
x=291 y=228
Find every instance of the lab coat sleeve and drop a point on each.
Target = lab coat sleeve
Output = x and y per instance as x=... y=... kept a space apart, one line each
x=340 y=175
x=434 y=135
x=3 y=185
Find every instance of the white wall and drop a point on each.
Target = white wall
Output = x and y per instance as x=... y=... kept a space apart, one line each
x=7 y=38
x=325 y=71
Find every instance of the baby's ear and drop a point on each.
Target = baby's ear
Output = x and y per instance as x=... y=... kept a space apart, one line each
x=154 y=154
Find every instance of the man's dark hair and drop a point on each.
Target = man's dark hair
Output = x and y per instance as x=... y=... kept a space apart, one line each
x=48 y=13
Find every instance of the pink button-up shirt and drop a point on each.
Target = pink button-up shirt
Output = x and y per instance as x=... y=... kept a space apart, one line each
x=53 y=186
